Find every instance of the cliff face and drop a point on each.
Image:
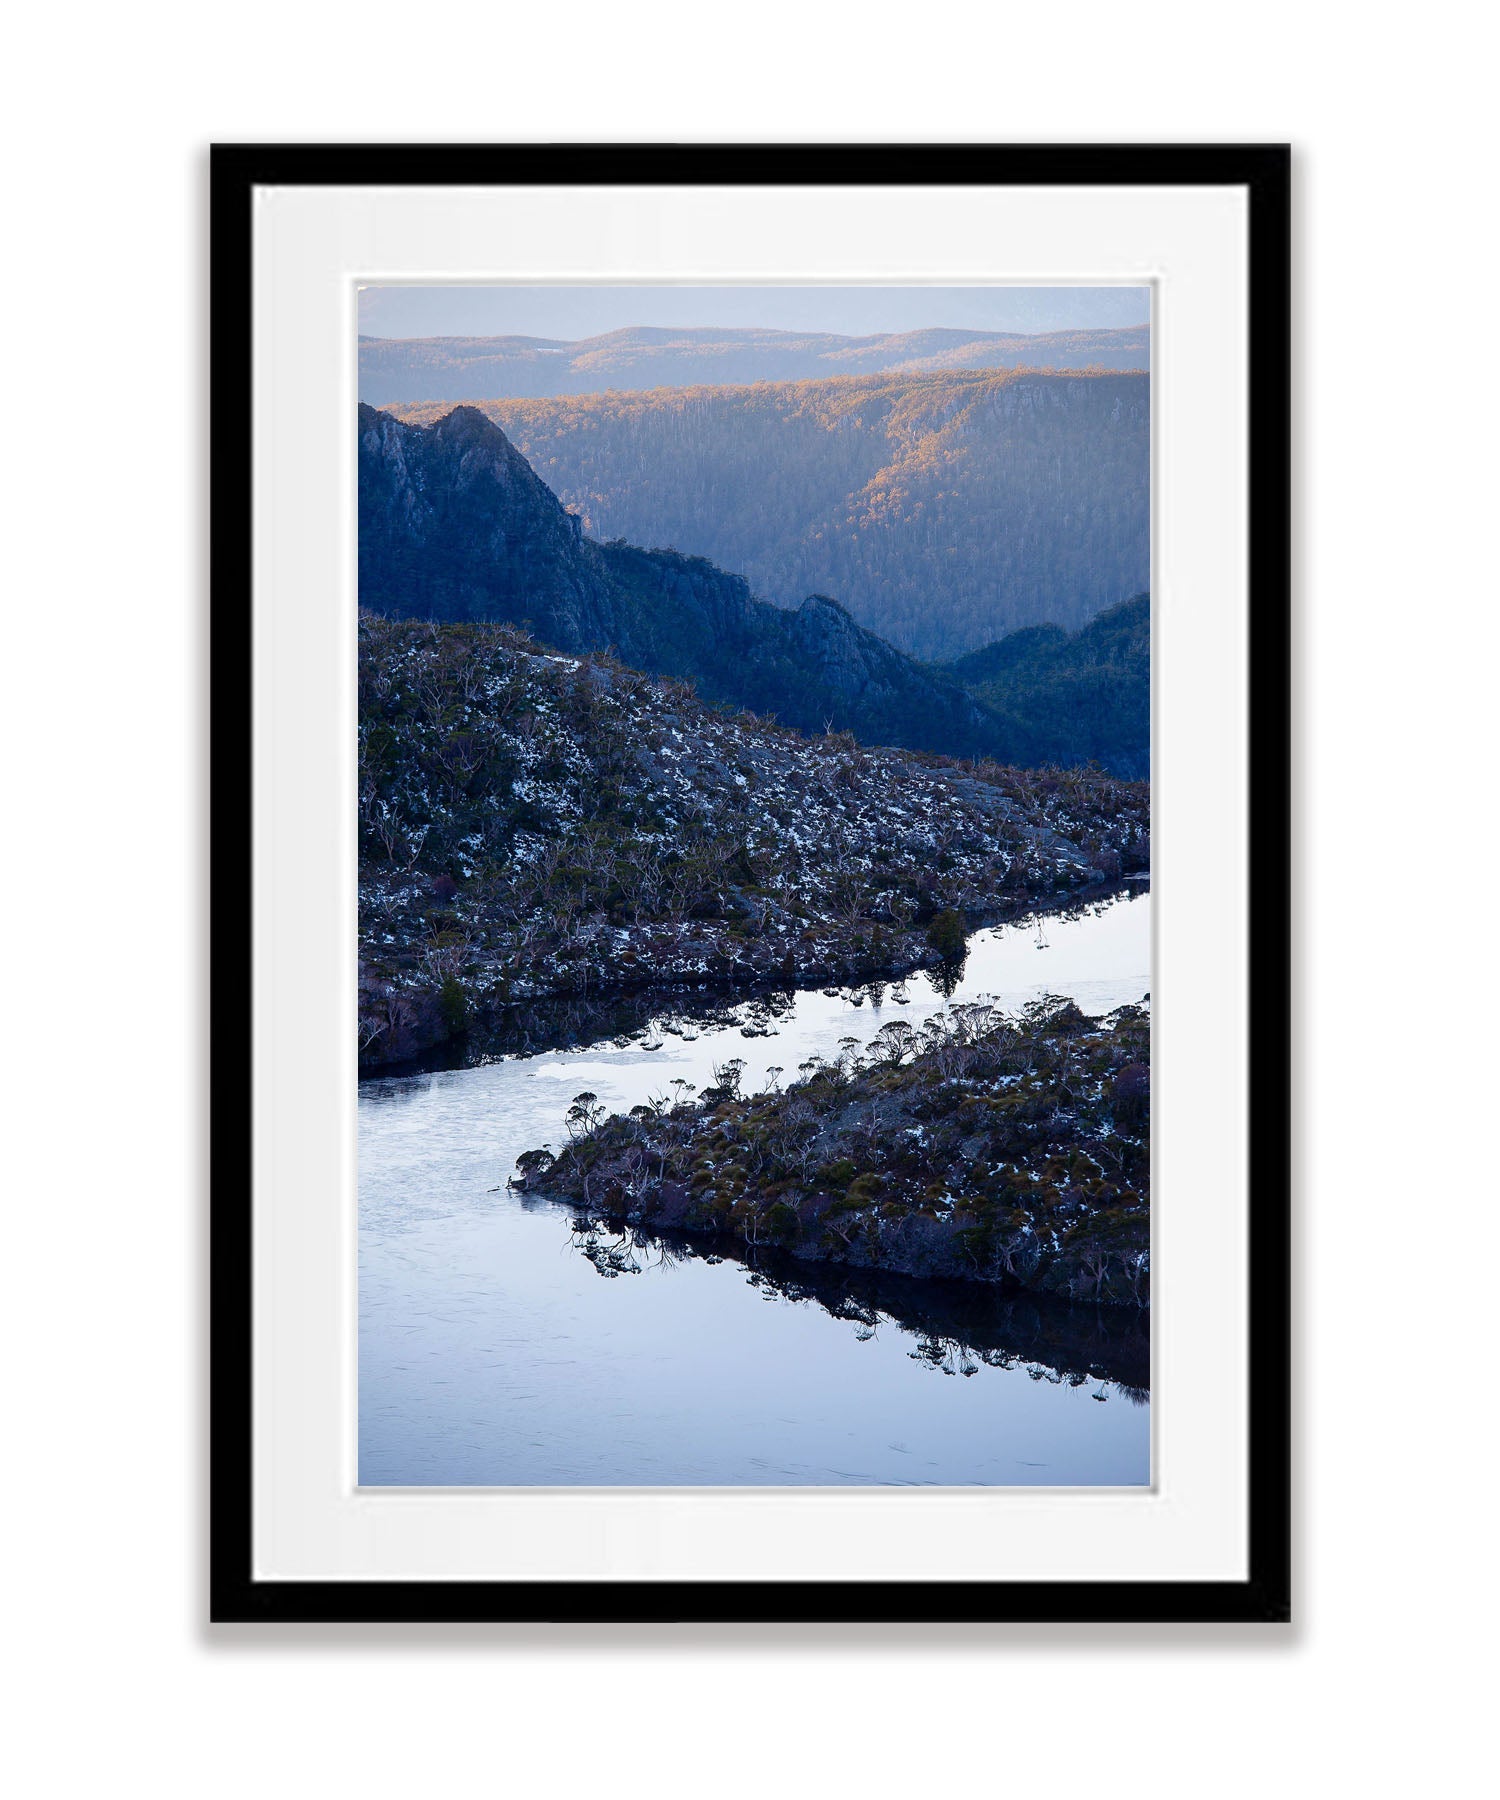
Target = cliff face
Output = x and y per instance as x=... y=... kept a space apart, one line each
x=867 y=675
x=454 y=525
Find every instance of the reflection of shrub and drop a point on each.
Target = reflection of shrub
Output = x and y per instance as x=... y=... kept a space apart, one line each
x=947 y=934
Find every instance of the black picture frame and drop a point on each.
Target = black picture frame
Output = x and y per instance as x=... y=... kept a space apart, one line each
x=1263 y=171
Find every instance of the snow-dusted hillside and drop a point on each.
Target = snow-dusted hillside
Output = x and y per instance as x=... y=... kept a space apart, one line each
x=535 y=825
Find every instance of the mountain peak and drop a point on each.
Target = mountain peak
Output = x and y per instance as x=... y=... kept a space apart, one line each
x=826 y=600
x=470 y=419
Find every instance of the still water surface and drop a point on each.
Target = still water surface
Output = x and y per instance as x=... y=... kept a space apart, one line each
x=493 y=1353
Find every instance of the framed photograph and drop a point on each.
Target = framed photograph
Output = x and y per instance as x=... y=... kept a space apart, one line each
x=750 y=852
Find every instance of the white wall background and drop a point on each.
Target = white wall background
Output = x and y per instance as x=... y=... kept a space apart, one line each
x=118 y=1684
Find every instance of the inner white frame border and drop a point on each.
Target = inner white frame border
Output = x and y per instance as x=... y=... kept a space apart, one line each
x=313 y=248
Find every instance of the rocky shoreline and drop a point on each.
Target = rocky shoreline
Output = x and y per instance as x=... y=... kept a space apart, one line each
x=624 y=1001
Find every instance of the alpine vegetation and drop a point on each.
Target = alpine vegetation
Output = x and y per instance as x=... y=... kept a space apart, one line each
x=984 y=1147
x=535 y=825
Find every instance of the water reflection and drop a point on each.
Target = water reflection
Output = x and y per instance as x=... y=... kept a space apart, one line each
x=959 y=1326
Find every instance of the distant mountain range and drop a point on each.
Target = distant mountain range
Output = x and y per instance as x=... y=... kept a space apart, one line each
x=943 y=509
x=476 y=368
x=454 y=525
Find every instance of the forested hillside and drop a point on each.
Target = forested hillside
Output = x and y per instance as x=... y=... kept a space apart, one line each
x=1072 y=699
x=943 y=510
x=454 y=525
x=393 y=370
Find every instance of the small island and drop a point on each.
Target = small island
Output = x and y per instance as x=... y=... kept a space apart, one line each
x=1013 y=1150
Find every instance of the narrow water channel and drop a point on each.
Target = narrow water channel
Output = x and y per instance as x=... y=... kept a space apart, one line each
x=494 y=1353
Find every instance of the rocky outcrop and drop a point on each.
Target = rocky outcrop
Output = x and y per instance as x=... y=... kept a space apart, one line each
x=453 y=524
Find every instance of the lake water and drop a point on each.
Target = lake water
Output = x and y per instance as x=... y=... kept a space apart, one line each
x=494 y=1353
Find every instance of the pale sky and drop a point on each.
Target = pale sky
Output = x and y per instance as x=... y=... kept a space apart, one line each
x=580 y=312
